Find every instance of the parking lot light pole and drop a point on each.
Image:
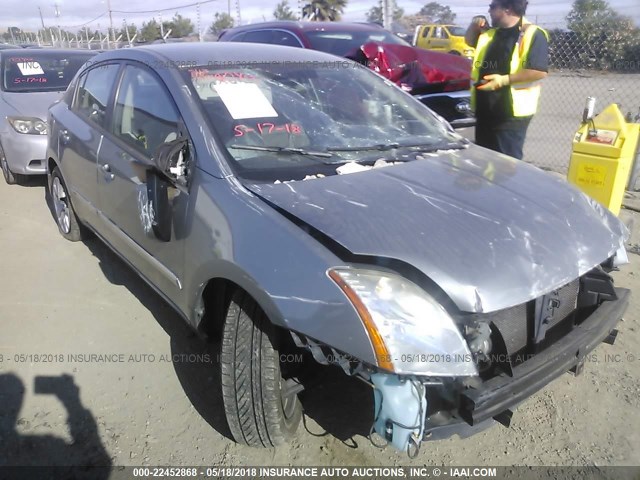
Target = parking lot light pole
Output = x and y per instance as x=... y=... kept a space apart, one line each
x=386 y=14
x=113 y=32
x=57 y=13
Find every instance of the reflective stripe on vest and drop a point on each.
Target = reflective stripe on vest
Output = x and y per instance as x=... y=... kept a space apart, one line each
x=524 y=97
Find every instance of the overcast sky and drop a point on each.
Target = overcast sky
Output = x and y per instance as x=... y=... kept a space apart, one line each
x=75 y=14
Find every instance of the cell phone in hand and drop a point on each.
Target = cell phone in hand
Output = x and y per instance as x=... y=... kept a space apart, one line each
x=52 y=385
x=481 y=21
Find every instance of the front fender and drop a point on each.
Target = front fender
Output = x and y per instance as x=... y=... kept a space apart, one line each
x=240 y=238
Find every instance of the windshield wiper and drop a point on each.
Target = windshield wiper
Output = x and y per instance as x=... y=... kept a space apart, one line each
x=434 y=147
x=290 y=150
x=383 y=147
x=298 y=151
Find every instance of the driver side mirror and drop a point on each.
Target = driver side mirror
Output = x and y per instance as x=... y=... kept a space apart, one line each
x=171 y=169
x=158 y=200
x=172 y=158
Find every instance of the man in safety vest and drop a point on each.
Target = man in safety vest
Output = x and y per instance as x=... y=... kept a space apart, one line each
x=510 y=61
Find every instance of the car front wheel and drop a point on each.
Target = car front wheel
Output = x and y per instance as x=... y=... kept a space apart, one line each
x=9 y=177
x=262 y=408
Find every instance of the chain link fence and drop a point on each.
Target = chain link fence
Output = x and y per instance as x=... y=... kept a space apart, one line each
x=95 y=41
x=594 y=57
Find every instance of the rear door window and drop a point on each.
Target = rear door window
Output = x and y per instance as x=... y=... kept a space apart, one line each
x=94 y=90
x=261 y=36
x=285 y=38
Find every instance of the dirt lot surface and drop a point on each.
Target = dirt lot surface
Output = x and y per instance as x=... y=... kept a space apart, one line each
x=157 y=401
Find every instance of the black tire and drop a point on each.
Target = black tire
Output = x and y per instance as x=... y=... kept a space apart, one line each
x=262 y=409
x=9 y=177
x=64 y=214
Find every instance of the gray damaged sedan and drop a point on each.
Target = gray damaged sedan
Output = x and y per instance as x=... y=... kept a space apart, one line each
x=287 y=199
x=30 y=81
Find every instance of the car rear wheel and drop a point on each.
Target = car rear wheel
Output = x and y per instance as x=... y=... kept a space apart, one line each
x=9 y=177
x=65 y=216
x=262 y=408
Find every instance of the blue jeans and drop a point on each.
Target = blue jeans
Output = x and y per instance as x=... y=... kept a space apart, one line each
x=507 y=137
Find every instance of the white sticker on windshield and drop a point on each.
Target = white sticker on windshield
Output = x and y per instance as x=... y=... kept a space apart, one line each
x=30 y=68
x=245 y=100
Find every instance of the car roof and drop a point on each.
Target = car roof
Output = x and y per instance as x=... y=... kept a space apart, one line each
x=215 y=54
x=311 y=26
x=45 y=52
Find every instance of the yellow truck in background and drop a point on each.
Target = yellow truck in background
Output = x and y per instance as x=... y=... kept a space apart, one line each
x=443 y=38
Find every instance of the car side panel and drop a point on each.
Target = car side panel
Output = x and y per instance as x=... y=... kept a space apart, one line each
x=127 y=216
x=77 y=142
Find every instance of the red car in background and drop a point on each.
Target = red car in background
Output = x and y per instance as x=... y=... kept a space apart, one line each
x=439 y=80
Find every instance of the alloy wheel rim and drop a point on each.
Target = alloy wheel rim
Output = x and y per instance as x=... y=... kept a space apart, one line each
x=4 y=165
x=60 y=205
x=288 y=396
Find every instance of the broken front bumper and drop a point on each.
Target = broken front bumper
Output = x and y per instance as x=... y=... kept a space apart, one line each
x=498 y=394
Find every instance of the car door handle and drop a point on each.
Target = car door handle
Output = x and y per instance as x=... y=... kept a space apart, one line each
x=64 y=137
x=106 y=169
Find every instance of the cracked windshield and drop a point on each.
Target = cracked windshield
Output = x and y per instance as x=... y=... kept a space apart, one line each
x=282 y=121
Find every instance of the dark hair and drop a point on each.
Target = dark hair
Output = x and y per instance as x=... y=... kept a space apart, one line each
x=519 y=7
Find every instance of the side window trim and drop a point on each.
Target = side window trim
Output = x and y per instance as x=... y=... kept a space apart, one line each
x=79 y=84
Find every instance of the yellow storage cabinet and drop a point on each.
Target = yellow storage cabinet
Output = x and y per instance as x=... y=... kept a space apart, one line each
x=602 y=157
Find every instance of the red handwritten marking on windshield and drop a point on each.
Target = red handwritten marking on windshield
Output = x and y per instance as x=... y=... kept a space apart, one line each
x=223 y=76
x=267 y=128
x=29 y=80
x=198 y=72
x=220 y=76
x=21 y=60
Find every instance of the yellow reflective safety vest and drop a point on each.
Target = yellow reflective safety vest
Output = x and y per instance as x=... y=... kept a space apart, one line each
x=524 y=97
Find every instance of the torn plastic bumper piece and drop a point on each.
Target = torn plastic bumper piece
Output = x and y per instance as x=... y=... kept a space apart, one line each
x=400 y=410
x=503 y=392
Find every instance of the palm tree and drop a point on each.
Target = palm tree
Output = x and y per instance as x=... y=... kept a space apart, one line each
x=324 y=10
x=284 y=12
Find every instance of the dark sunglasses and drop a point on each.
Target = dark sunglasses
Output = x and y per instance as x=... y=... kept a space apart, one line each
x=493 y=6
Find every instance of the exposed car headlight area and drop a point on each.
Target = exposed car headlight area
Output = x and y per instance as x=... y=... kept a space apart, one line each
x=410 y=332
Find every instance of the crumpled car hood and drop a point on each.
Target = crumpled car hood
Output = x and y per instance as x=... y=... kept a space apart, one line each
x=31 y=104
x=492 y=232
x=414 y=69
